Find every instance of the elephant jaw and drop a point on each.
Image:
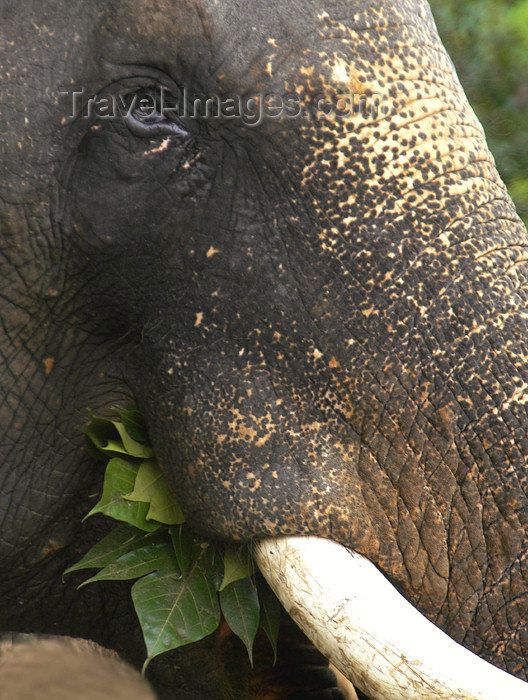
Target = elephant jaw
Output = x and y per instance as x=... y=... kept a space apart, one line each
x=369 y=631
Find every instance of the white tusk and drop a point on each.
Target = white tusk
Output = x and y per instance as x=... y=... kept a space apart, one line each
x=370 y=632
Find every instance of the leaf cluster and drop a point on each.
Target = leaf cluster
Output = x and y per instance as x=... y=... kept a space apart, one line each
x=185 y=583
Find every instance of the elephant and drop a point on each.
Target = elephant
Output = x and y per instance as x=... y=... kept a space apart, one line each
x=276 y=228
x=63 y=668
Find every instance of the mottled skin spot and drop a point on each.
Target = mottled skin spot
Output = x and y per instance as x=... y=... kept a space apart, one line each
x=323 y=318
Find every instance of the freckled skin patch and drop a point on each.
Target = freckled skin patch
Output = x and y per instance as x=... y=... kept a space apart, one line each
x=322 y=318
x=48 y=364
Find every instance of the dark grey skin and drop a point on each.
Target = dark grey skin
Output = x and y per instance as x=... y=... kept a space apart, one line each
x=322 y=319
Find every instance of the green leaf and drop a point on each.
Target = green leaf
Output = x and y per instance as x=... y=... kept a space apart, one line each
x=240 y=606
x=123 y=538
x=184 y=583
x=101 y=432
x=270 y=612
x=156 y=555
x=92 y=450
x=111 y=437
x=119 y=479
x=134 y=424
x=131 y=446
x=176 y=611
x=150 y=486
x=182 y=542
x=238 y=564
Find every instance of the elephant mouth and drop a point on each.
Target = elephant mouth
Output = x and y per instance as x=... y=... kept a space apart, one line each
x=378 y=640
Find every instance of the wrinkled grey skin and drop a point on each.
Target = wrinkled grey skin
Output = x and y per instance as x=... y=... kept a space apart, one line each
x=323 y=320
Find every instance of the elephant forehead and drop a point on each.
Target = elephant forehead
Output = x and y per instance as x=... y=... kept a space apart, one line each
x=209 y=46
x=269 y=46
x=159 y=33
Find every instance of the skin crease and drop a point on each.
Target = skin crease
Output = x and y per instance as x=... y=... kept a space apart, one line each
x=323 y=320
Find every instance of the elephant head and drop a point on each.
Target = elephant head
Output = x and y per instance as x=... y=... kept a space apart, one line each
x=276 y=228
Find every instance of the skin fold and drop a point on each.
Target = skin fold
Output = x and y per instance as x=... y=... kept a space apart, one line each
x=322 y=316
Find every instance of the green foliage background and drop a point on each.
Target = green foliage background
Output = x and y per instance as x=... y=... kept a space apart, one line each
x=488 y=42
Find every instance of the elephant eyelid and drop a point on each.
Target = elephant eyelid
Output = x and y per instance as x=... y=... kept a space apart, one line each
x=147 y=117
x=152 y=129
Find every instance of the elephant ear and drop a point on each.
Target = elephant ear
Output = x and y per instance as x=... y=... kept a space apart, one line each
x=375 y=637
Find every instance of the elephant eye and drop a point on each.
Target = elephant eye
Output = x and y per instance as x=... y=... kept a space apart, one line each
x=151 y=113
